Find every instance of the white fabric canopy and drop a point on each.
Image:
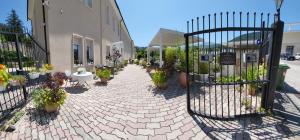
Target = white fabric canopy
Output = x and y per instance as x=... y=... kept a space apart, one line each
x=170 y=38
x=167 y=37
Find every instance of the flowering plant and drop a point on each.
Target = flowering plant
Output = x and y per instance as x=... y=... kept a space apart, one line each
x=48 y=67
x=51 y=93
x=4 y=75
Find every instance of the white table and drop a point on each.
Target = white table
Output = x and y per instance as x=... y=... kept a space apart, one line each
x=83 y=78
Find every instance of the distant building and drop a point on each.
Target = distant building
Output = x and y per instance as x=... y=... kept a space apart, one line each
x=291 y=42
x=79 y=33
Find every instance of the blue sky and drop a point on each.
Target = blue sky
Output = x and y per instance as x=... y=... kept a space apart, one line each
x=145 y=17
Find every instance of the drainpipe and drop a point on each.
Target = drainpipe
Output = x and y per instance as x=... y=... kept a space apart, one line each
x=45 y=33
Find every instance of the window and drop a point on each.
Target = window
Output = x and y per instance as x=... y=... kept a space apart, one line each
x=107 y=15
x=89 y=52
x=108 y=51
x=289 y=50
x=77 y=51
x=88 y=3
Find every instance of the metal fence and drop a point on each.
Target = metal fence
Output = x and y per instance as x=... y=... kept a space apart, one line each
x=21 y=54
x=229 y=73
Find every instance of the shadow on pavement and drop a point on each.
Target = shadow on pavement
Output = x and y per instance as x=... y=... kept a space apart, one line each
x=284 y=123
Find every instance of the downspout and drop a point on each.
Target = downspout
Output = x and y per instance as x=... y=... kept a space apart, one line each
x=45 y=33
x=101 y=37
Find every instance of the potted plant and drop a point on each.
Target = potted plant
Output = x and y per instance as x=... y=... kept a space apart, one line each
x=181 y=67
x=144 y=63
x=253 y=75
x=125 y=63
x=50 y=96
x=17 y=80
x=159 y=78
x=148 y=67
x=34 y=73
x=47 y=68
x=136 y=61
x=170 y=58
x=204 y=71
x=104 y=75
x=4 y=77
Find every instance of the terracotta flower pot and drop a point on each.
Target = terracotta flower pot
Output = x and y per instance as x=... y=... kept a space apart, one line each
x=182 y=79
x=51 y=108
x=162 y=86
x=104 y=80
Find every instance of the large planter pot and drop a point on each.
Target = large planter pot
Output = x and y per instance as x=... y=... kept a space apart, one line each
x=204 y=77
x=104 y=80
x=51 y=108
x=2 y=88
x=182 y=79
x=162 y=85
x=148 y=69
x=34 y=75
x=251 y=90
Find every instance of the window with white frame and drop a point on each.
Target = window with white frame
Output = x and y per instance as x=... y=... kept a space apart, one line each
x=89 y=51
x=107 y=14
x=77 y=51
x=88 y=3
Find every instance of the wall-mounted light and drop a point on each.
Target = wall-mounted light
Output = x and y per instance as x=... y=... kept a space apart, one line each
x=46 y=3
x=61 y=11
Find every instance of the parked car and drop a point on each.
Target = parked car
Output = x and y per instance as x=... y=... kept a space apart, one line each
x=286 y=56
x=297 y=56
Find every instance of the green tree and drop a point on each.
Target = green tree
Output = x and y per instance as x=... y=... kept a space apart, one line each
x=13 y=21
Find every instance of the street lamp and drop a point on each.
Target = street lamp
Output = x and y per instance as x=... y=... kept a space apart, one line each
x=278 y=7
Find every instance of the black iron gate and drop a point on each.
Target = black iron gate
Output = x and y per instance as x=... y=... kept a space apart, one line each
x=231 y=72
x=20 y=53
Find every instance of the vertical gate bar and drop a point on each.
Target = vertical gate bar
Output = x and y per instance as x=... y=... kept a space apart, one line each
x=221 y=50
x=261 y=54
x=227 y=50
x=199 y=99
x=258 y=79
x=246 y=51
x=240 y=48
x=209 y=65
x=187 y=69
x=10 y=49
x=264 y=102
x=5 y=63
x=3 y=60
x=234 y=100
x=215 y=73
x=202 y=52
x=274 y=61
x=193 y=73
x=20 y=64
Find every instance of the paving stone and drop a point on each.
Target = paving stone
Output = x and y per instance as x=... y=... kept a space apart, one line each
x=130 y=107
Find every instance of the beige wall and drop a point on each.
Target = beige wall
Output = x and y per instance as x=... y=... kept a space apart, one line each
x=112 y=31
x=68 y=18
x=291 y=39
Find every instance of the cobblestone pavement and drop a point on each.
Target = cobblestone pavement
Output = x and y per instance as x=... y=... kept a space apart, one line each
x=129 y=107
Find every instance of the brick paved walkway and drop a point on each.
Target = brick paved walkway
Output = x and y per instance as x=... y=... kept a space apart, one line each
x=130 y=108
x=127 y=108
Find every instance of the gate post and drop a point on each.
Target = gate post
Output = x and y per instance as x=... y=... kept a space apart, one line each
x=273 y=63
x=20 y=71
x=187 y=74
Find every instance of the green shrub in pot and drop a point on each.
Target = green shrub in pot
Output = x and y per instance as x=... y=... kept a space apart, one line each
x=104 y=74
x=50 y=96
x=159 y=78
